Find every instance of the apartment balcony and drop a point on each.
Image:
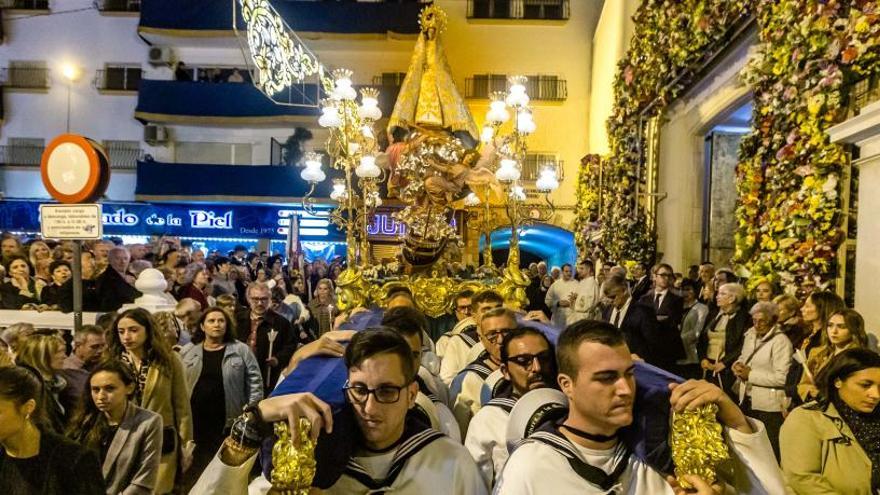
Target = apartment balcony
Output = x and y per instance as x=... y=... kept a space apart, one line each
x=28 y=78
x=21 y=156
x=539 y=88
x=545 y=10
x=119 y=7
x=158 y=181
x=222 y=103
x=163 y=21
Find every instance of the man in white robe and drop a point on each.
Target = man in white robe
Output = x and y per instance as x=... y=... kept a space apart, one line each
x=561 y=297
x=583 y=454
x=458 y=348
x=468 y=388
x=588 y=298
x=528 y=362
x=395 y=454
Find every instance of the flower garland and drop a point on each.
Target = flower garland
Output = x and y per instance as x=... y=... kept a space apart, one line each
x=789 y=211
x=670 y=35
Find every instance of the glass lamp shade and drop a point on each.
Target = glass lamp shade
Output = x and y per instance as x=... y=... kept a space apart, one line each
x=343 y=89
x=367 y=168
x=330 y=116
x=338 y=193
x=507 y=171
x=517 y=96
x=497 y=113
x=369 y=109
x=471 y=200
x=313 y=173
x=525 y=124
x=517 y=193
x=487 y=134
x=547 y=181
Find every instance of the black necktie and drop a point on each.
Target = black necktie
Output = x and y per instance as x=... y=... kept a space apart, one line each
x=657 y=298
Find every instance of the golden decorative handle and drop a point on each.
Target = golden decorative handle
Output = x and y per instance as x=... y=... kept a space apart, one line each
x=697 y=444
x=293 y=466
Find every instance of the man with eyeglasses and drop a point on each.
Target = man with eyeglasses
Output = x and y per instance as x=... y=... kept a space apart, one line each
x=462 y=311
x=467 y=388
x=528 y=363
x=394 y=453
x=668 y=311
x=257 y=325
x=465 y=336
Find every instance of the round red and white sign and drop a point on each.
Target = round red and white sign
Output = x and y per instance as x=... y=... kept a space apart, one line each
x=75 y=169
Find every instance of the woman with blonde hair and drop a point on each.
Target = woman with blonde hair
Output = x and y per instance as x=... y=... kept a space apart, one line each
x=845 y=330
x=322 y=308
x=160 y=387
x=44 y=352
x=39 y=250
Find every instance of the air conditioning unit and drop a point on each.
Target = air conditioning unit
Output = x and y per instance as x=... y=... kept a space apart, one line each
x=161 y=55
x=155 y=134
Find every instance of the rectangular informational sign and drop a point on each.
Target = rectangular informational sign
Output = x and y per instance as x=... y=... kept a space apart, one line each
x=70 y=222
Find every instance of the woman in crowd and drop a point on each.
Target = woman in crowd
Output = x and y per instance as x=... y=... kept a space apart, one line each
x=44 y=352
x=195 y=284
x=815 y=312
x=321 y=307
x=40 y=255
x=34 y=460
x=790 y=318
x=832 y=445
x=128 y=438
x=761 y=370
x=764 y=291
x=160 y=387
x=720 y=343
x=219 y=370
x=56 y=293
x=21 y=288
x=845 y=330
x=228 y=303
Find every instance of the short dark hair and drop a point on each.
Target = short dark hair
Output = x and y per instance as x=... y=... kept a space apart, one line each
x=399 y=290
x=487 y=295
x=58 y=263
x=380 y=340
x=199 y=334
x=588 y=263
x=520 y=332
x=406 y=321
x=574 y=335
x=220 y=261
x=687 y=283
x=840 y=367
x=565 y=265
x=464 y=293
x=658 y=266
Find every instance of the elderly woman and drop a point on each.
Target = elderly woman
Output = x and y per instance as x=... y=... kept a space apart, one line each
x=720 y=343
x=761 y=370
x=832 y=445
x=790 y=318
x=195 y=282
x=845 y=330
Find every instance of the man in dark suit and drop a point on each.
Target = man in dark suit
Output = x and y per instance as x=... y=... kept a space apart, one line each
x=257 y=326
x=669 y=309
x=641 y=282
x=116 y=285
x=634 y=318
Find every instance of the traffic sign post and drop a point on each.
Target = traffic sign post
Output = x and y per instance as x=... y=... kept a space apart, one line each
x=75 y=171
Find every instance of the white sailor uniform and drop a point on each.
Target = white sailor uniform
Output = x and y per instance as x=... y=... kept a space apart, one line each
x=547 y=462
x=456 y=352
x=467 y=391
x=487 y=437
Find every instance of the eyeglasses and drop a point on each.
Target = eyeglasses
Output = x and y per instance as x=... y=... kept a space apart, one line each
x=494 y=337
x=260 y=299
x=527 y=360
x=385 y=394
x=463 y=309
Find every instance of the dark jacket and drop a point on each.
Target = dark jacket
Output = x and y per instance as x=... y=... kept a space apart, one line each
x=641 y=287
x=65 y=467
x=11 y=298
x=192 y=292
x=283 y=348
x=669 y=315
x=639 y=326
x=114 y=291
x=132 y=463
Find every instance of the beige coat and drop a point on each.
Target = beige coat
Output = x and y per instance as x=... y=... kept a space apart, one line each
x=168 y=396
x=820 y=454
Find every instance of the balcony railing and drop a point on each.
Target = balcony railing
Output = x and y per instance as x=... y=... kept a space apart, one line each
x=119 y=5
x=118 y=78
x=21 y=156
x=519 y=9
x=25 y=77
x=539 y=88
x=25 y=4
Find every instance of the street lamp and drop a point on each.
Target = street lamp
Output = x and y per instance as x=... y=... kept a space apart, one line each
x=71 y=73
